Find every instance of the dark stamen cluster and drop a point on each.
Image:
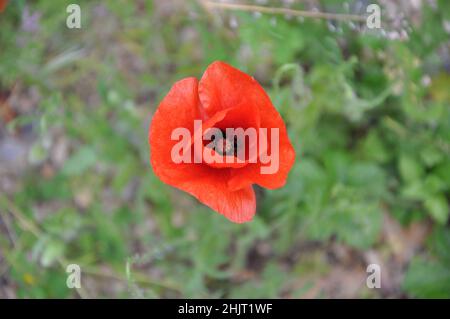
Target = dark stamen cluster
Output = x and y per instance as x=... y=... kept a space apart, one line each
x=224 y=145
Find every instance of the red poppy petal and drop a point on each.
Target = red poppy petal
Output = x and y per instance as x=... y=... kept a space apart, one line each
x=209 y=185
x=223 y=86
x=3 y=4
x=238 y=206
x=245 y=115
x=178 y=109
x=242 y=177
x=270 y=118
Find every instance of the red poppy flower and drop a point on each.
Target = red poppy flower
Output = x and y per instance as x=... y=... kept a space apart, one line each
x=3 y=5
x=223 y=98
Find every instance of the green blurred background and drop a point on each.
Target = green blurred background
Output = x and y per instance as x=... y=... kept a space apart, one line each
x=368 y=112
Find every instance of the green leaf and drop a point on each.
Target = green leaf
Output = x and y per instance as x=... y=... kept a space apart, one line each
x=80 y=162
x=438 y=208
x=427 y=279
x=52 y=251
x=439 y=243
x=414 y=191
x=431 y=156
x=443 y=171
x=410 y=169
x=374 y=149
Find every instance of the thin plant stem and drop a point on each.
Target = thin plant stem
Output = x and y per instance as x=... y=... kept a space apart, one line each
x=284 y=11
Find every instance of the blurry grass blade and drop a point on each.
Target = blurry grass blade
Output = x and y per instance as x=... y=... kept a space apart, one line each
x=80 y=162
x=63 y=60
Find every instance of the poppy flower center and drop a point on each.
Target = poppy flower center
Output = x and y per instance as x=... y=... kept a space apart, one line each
x=225 y=145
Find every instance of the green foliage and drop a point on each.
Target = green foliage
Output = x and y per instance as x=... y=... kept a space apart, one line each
x=431 y=278
x=370 y=138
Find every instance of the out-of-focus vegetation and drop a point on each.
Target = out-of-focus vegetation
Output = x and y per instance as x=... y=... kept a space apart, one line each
x=367 y=110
